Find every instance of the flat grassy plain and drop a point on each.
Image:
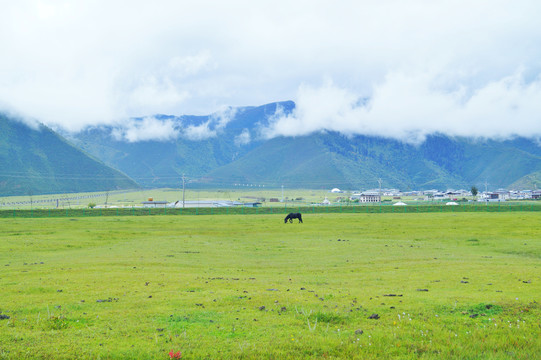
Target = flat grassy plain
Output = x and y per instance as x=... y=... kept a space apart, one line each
x=342 y=286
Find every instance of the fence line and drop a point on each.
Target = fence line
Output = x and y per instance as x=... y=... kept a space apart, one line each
x=358 y=209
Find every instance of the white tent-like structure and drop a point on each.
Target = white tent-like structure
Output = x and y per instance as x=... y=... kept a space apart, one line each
x=451 y=203
x=400 y=203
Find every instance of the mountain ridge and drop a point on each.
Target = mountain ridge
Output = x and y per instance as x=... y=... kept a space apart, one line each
x=229 y=148
x=322 y=159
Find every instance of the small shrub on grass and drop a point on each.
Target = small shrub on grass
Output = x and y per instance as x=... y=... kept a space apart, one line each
x=486 y=309
x=481 y=309
x=328 y=317
x=57 y=323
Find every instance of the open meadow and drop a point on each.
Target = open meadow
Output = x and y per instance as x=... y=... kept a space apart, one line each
x=341 y=286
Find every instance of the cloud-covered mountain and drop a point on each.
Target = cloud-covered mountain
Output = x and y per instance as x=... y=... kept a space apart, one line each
x=191 y=145
x=235 y=147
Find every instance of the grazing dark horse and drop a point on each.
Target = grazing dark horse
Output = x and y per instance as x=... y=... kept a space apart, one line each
x=292 y=216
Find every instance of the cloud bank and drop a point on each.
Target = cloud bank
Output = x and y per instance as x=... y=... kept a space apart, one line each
x=394 y=68
x=171 y=128
x=146 y=129
x=210 y=128
x=409 y=108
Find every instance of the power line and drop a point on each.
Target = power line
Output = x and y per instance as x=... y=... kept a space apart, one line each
x=231 y=181
x=183 y=189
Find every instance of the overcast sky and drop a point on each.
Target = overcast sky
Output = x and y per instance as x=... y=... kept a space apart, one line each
x=394 y=68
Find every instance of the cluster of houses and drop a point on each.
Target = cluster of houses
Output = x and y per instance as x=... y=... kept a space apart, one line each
x=498 y=195
x=374 y=196
x=512 y=195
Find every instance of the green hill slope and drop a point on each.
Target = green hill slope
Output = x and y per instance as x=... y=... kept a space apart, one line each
x=330 y=160
x=37 y=161
x=531 y=181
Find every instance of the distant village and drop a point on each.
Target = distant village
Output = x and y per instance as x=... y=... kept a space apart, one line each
x=455 y=195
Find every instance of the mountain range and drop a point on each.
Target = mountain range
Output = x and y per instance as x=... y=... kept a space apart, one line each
x=229 y=149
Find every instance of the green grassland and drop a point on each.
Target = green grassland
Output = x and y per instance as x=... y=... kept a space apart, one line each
x=443 y=285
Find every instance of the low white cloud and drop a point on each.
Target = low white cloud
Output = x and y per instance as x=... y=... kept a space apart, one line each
x=15 y=116
x=411 y=107
x=243 y=138
x=146 y=129
x=221 y=118
x=154 y=129
x=199 y=132
x=210 y=128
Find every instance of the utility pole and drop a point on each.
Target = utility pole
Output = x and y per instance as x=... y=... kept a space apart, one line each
x=486 y=191
x=379 y=181
x=282 y=193
x=183 y=188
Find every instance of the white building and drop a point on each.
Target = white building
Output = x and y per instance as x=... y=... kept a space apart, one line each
x=367 y=197
x=440 y=196
x=203 y=203
x=492 y=197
